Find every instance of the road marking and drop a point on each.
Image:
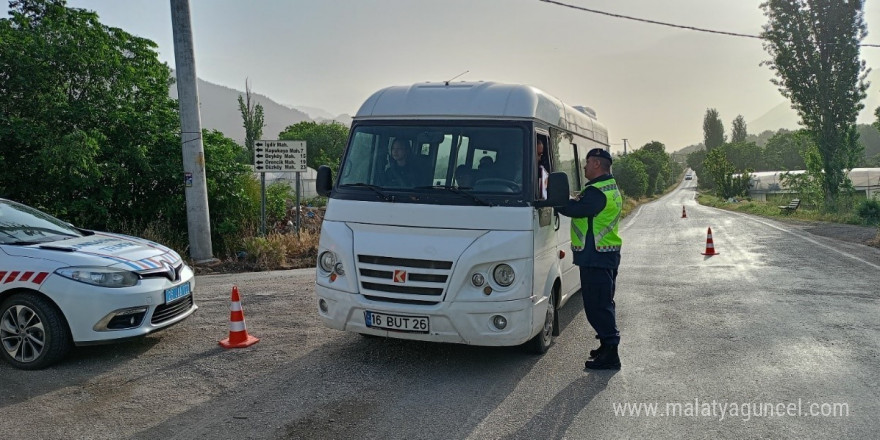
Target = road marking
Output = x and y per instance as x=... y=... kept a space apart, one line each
x=631 y=220
x=845 y=254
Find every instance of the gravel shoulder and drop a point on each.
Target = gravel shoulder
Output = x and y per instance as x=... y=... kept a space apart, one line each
x=865 y=235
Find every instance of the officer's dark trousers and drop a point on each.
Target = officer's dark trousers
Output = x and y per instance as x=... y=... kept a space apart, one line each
x=597 y=290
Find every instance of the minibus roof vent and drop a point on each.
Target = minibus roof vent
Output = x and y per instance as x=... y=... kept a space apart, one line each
x=586 y=110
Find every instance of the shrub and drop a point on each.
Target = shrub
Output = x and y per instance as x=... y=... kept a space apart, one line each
x=265 y=253
x=869 y=211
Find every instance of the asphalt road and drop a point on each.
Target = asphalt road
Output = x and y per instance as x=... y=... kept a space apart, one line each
x=780 y=318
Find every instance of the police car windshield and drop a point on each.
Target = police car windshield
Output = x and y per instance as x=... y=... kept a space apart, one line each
x=23 y=225
x=478 y=157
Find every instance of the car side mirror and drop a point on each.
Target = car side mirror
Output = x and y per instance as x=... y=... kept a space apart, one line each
x=557 y=191
x=324 y=181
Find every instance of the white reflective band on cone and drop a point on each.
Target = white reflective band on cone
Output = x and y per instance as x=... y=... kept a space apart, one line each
x=235 y=326
x=235 y=306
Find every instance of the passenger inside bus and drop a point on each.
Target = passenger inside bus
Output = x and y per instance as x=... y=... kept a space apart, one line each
x=542 y=170
x=401 y=170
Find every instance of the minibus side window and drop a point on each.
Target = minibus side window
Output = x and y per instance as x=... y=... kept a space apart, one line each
x=563 y=159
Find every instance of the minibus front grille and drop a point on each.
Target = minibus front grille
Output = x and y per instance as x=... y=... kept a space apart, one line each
x=400 y=301
x=421 y=291
x=416 y=281
x=404 y=262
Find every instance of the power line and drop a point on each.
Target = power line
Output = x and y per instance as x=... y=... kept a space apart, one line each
x=661 y=23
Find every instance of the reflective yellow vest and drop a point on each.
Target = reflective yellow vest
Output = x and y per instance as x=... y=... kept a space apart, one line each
x=606 y=239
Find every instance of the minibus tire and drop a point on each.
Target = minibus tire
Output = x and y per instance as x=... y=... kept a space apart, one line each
x=544 y=339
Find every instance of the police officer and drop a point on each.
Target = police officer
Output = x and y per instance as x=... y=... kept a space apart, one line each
x=595 y=214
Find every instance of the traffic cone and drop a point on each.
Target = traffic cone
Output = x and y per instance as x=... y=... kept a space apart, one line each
x=238 y=335
x=684 y=214
x=710 y=247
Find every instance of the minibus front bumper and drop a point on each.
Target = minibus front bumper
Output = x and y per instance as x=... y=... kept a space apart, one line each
x=465 y=322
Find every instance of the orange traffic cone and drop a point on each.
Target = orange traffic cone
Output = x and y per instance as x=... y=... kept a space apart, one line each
x=238 y=335
x=684 y=214
x=710 y=247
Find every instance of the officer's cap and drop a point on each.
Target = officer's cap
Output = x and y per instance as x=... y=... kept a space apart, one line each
x=599 y=152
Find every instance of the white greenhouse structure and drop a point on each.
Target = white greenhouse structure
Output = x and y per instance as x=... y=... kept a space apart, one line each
x=864 y=180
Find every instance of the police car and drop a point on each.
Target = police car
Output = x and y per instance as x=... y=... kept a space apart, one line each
x=62 y=286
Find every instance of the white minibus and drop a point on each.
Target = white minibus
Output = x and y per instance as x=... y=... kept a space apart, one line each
x=437 y=227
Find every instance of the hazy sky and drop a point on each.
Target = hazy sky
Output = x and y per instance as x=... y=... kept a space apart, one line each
x=646 y=82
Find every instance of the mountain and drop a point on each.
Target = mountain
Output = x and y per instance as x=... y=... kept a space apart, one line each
x=218 y=107
x=781 y=116
x=316 y=113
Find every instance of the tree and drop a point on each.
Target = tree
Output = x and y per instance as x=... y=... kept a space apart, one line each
x=233 y=193
x=325 y=142
x=252 y=117
x=738 y=132
x=877 y=122
x=656 y=163
x=631 y=176
x=762 y=138
x=87 y=129
x=721 y=171
x=745 y=155
x=654 y=146
x=814 y=45
x=786 y=150
x=713 y=130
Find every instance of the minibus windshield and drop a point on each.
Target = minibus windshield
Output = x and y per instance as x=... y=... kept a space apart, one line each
x=470 y=157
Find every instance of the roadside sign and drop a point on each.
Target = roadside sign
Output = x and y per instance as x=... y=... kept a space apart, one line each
x=280 y=156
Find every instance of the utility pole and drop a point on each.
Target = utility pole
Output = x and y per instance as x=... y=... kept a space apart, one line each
x=624 y=146
x=196 y=188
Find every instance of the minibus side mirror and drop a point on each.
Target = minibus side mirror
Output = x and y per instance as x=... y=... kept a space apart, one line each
x=557 y=191
x=324 y=181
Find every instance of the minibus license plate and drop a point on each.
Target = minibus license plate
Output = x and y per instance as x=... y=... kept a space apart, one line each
x=403 y=323
x=176 y=292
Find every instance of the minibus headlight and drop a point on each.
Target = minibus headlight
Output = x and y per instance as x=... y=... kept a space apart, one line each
x=503 y=275
x=477 y=279
x=327 y=261
x=499 y=322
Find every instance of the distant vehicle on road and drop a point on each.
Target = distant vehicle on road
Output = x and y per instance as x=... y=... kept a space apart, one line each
x=688 y=176
x=62 y=286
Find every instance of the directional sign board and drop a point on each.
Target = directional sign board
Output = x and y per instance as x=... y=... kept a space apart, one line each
x=280 y=156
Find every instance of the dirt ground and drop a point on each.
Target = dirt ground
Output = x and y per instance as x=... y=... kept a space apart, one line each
x=866 y=235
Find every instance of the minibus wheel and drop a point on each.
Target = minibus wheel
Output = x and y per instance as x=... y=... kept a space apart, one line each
x=542 y=341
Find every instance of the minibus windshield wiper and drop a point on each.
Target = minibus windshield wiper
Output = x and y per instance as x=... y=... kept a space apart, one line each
x=375 y=188
x=459 y=190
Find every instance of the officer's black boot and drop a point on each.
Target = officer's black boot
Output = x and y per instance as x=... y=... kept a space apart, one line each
x=594 y=353
x=607 y=359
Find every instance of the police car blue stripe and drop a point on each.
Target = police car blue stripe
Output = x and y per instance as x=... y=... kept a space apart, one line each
x=126 y=262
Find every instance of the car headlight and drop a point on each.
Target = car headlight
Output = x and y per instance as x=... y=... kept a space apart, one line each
x=327 y=261
x=503 y=275
x=100 y=276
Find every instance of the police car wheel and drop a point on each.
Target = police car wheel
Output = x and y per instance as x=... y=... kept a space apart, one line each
x=33 y=332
